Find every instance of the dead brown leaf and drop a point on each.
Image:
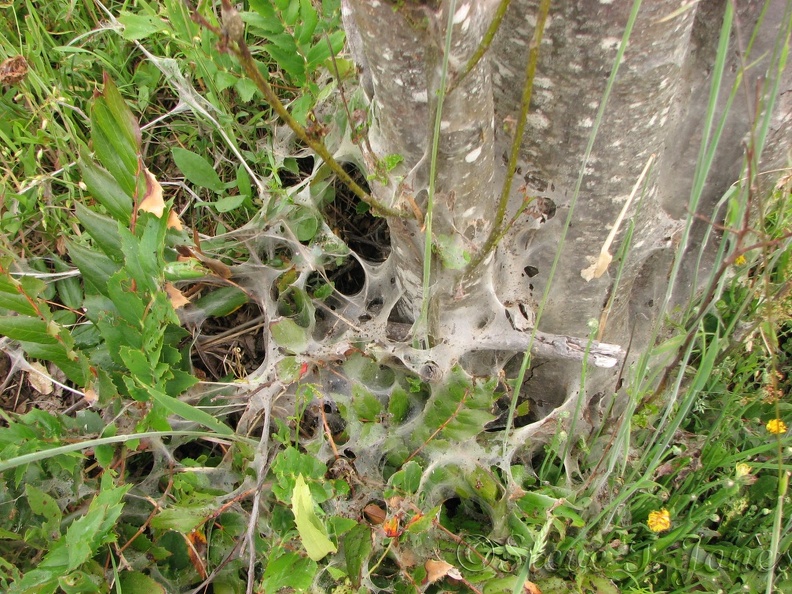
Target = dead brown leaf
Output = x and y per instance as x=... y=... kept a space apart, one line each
x=436 y=570
x=39 y=379
x=374 y=513
x=177 y=297
x=152 y=202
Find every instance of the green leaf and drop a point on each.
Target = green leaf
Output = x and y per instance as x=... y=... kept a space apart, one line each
x=189 y=412
x=81 y=537
x=127 y=302
x=224 y=80
x=138 y=26
x=288 y=464
x=288 y=570
x=28 y=329
x=69 y=289
x=95 y=267
x=13 y=296
x=312 y=532
x=221 y=302
x=122 y=119
x=42 y=504
x=181 y=519
x=398 y=404
x=291 y=11
x=288 y=334
x=73 y=364
x=246 y=89
x=229 y=203
x=137 y=362
x=114 y=135
x=366 y=405
x=284 y=51
x=408 y=479
x=135 y=582
x=197 y=169
x=357 y=548
x=304 y=223
x=309 y=19
x=103 y=230
x=106 y=190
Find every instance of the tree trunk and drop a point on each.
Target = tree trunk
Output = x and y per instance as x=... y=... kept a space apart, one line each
x=656 y=107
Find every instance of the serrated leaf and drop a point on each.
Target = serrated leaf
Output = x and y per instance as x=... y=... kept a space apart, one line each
x=81 y=536
x=197 y=169
x=309 y=19
x=246 y=89
x=288 y=570
x=312 y=532
x=398 y=404
x=137 y=363
x=366 y=405
x=28 y=329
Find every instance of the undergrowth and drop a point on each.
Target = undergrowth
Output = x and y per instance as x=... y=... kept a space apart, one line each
x=163 y=233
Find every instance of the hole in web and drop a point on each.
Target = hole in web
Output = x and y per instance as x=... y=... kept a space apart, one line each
x=466 y=516
x=349 y=278
x=368 y=236
x=230 y=347
x=295 y=170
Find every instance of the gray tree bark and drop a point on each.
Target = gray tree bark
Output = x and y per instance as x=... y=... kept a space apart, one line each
x=657 y=107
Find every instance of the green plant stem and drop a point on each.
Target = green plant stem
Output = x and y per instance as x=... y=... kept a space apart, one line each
x=497 y=231
x=422 y=325
x=486 y=41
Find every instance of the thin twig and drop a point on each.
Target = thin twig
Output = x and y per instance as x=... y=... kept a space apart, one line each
x=486 y=41
x=496 y=231
x=232 y=40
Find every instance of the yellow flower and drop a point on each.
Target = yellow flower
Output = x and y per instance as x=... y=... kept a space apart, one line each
x=739 y=260
x=742 y=469
x=659 y=520
x=776 y=426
